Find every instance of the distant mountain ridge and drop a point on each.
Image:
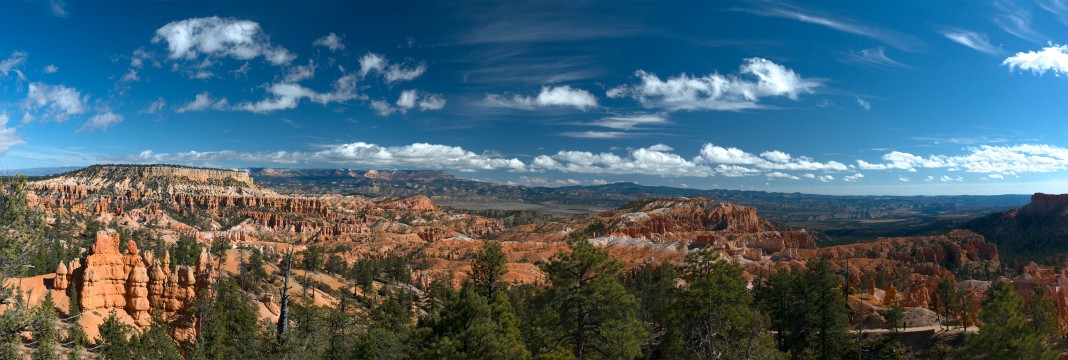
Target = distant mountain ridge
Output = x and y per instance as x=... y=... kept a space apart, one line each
x=1033 y=232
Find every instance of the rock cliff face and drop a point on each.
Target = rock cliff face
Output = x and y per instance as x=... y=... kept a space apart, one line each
x=1044 y=205
x=136 y=282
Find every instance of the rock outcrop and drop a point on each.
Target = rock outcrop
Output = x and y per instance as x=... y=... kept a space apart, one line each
x=136 y=282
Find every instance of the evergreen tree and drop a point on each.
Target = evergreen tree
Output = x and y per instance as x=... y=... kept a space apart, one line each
x=488 y=269
x=230 y=328
x=808 y=311
x=469 y=327
x=893 y=317
x=154 y=343
x=21 y=230
x=945 y=301
x=587 y=310
x=76 y=341
x=113 y=342
x=714 y=319
x=1005 y=332
x=45 y=334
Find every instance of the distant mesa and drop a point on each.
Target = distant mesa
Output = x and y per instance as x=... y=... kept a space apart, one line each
x=1033 y=232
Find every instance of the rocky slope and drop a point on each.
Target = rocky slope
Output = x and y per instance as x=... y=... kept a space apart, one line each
x=1033 y=232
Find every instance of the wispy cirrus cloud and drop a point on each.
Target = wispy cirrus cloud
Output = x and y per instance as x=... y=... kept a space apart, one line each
x=409 y=100
x=787 y=11
x=976 y=41
x=1052 y=58
x=1016 y=20
x=13 y=63
x=874 y=57
x=757 y=79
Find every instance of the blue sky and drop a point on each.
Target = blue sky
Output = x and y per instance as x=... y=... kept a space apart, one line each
x=910 y=97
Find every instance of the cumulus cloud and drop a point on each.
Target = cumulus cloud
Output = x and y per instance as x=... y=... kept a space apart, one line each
x=649 y=161
x=549 y=96
x=298 y=73
x=330 y=41
x=864 y=104
x=284 y=96
x=974 y=40
x=903 y=179
x=768 y=160
x=825 y=178
x=408 y=100
x=12 y=64
x=215 y=37
x=391 y=73
x=58 y=102
x=50 y=69
x=947 y=178
x=154 y=107
x=782 y=175
x=852 y=178
x=989 y=159
x=8 y=137
x=203 y=101
x=418 y=155
x=101 y=121
x=757 y=79
x=1051 y=58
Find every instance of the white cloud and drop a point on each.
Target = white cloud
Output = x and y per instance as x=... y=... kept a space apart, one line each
x=549 y=96
x=853 y=178
x=408 y=100
x=875 y=57
x=1052 y=58
x=903 y=179
x=284 y=96
x=298 y=73
x=762 y=78
x=661 y=147
x=892 y=38
x=779 y=174
x=418 y=155
x=995 y=176
x=864 y=104
x=154 y=107
x=640 y=161
x=58 y=7
x=371 y=62
x=947 y=178
x=8 y=137
x=330 y=41
x=382 y=108
x=203 y=101
x=50 y=69
x=629 y=122
x=825 y=178
x=1007 y=160
x=769 y=160
x=974 y=40
x=392 y=73
x=596 y=134
x=11 y=64
x=57 y=101
x=1016 y=20
x=215 y=37
x=101 y=121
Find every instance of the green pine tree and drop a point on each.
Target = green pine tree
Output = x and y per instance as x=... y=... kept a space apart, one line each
x=714 y=317
x=1005 y=332
x=45 y=334
x=113 y=342
x=488 y=269
x=586 y=309
x=807 y=310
